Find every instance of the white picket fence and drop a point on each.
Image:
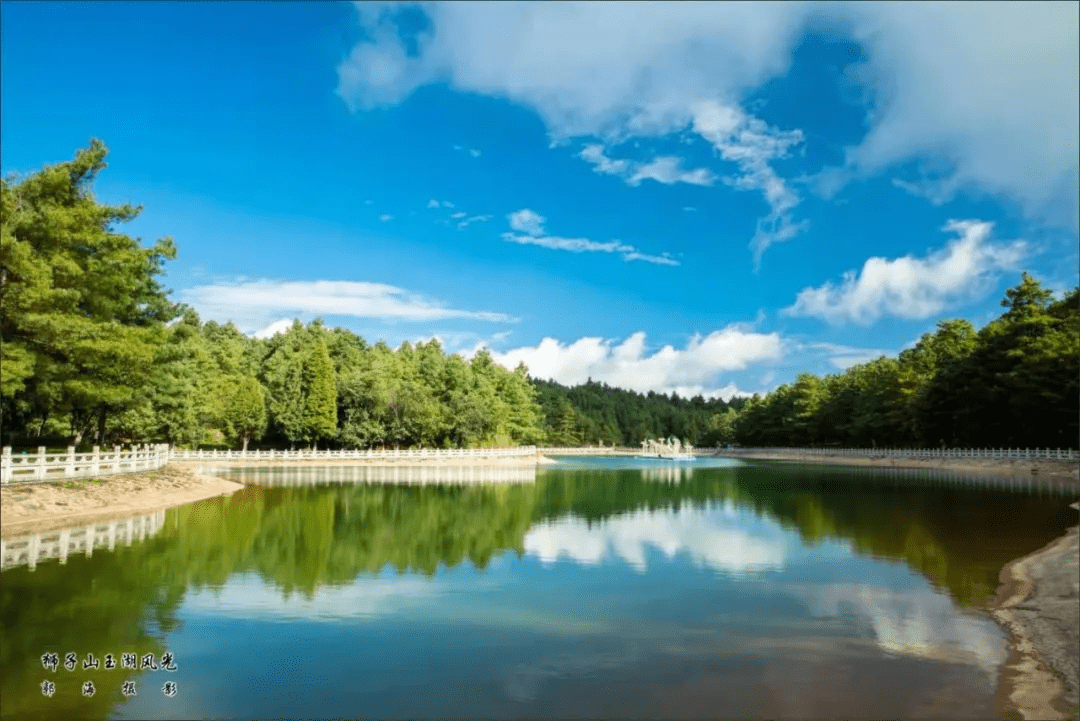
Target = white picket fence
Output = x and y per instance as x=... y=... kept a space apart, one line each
x=1050 y=454
x=46 y=467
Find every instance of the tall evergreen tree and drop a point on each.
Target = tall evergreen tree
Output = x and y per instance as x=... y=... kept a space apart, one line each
x=82 y=310
x=245 y=410
x=319 y=391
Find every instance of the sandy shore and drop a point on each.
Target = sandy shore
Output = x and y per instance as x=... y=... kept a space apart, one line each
x=1055 y=470
x=39 y=508
x=1038 y=604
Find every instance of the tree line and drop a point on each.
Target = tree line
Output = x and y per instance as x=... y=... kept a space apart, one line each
x=1013 y=383
x=94 y=352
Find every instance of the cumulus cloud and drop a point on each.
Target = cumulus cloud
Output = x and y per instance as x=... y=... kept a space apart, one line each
x=257 y=304
x=665 y=169
x=910 y=287
x=278 y=326
x=981 y=96
x=530 y=225
x=526 y=221
x=471 y=151
x=687 y=371
x=385 y=217
x=987 y=89
x=439 y=203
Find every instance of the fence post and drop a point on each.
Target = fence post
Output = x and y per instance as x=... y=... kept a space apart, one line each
x=5 y=465
x=69 y=471
x=39 y=470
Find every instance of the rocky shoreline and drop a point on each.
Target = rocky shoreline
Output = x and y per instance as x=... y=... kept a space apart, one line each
x=1038 y=605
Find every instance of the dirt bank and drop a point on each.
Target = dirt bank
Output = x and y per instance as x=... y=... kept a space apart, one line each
x=1041 y=468
x=1037 y=605
x=40 y=508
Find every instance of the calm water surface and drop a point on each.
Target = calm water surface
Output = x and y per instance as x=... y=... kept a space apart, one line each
x=598 y=587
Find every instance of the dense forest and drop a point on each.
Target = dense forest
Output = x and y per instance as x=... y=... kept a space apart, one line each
x=94 y=352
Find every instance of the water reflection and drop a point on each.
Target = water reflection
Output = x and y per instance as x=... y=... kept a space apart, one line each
x=423 y=474
x=915 y=622
x=605 y=589
x=708 y=536
x=30 y=549
x=667 y=474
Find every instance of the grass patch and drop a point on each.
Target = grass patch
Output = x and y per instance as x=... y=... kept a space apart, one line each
x=78 y=483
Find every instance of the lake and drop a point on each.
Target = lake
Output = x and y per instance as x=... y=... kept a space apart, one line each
x=604 y=587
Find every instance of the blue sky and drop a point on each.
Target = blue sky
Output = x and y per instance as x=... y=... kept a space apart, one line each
x=696 y=197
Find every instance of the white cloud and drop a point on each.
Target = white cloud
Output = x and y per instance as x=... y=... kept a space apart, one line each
x=702 y=534
x=462 y=224
x=256 y=304
x=910 y=287
x=987 y=89
x=385 y=217
x=471 y=151
x=531 y=224
x=983 y=94
x=278 y=326
x=458 y=215
x=527 y=221
x=439 y=203
x=687 y=371
x=665 y=169
x=752 y=145
x=844 y=356
x=689 y=208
